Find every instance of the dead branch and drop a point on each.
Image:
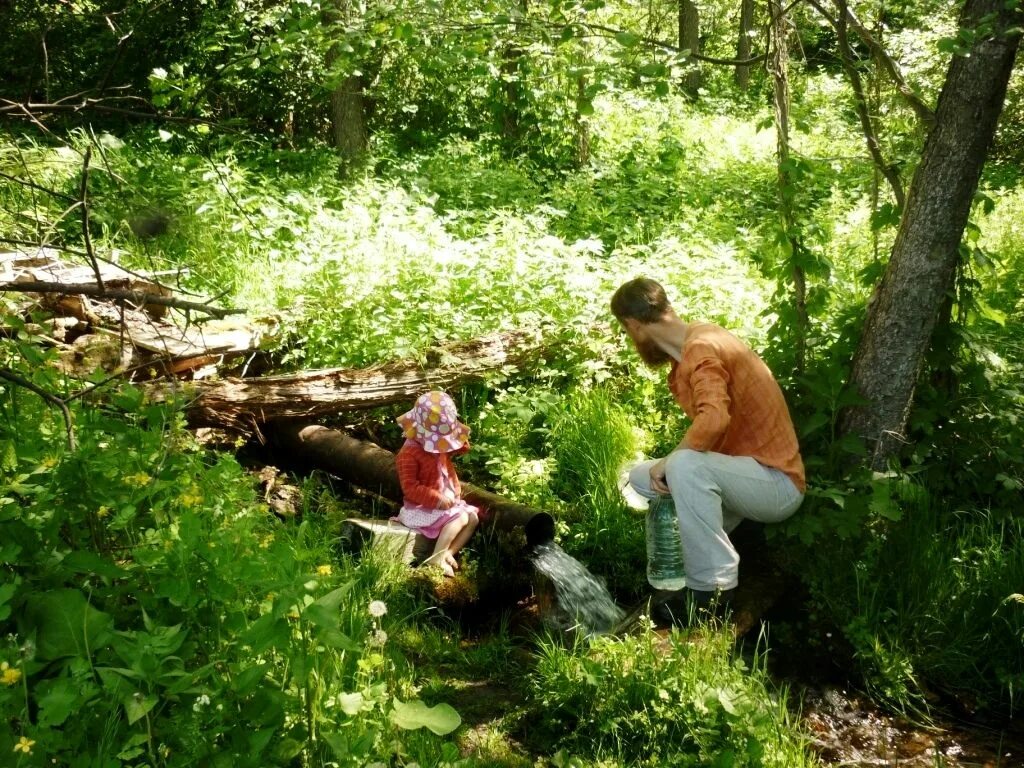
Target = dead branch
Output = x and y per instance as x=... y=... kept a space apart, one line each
x=924 y=113
x=49 y=397
x=888 y=170
x=83 y=200
x=139 y=298
x=241 y=405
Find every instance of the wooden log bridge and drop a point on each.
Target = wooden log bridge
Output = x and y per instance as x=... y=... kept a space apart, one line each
x=244 y=405
x=371 y=467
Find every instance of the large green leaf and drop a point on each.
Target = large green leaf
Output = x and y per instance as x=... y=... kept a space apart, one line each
x=138 y=705
x=56 y=700
x=442 y=719
x=66 y=625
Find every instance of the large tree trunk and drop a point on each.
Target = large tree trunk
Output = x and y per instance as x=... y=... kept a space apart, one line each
x=689 y=39
x=348 y=105
x=742 y=73
x=348 y=123
x=922 y=268
x=241 y=405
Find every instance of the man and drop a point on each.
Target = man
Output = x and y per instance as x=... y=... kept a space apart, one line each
x=738 y=460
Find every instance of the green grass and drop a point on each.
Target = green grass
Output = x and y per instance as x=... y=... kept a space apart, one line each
x=451 y=245
x=642 y=701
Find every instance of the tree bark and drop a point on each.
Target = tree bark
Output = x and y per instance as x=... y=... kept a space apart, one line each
x=922 y=268
x=742 y=72
x=241 y=405
x=348 y=105
x=689 y=39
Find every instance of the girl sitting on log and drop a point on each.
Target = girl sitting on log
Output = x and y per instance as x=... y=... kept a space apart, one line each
x=433 y=502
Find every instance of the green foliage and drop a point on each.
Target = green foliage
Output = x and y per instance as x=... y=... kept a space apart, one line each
x=155 y=611
x=684 y=701
x=591 y=444
x=928 y=603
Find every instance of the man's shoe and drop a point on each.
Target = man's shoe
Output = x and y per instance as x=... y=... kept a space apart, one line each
x=669 y=609
x=688 y=607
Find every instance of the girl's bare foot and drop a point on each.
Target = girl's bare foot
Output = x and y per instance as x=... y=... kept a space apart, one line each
x=449 y=558
x=444 y=561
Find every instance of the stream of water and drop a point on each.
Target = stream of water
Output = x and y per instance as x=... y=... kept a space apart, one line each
x=583 y=603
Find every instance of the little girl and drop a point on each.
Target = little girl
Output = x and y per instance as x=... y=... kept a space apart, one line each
x=432 y=495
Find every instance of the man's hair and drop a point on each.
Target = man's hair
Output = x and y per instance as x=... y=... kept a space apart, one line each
x=642 y=299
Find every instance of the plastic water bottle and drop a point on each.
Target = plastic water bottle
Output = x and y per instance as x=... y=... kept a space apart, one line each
x=664 y=547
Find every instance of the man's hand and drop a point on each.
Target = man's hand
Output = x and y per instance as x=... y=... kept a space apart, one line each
x=658 y=483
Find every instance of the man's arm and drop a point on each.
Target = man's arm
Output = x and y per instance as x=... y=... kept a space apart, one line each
x=709 y=383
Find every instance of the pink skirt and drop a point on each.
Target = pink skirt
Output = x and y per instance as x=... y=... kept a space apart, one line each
x=428 y=521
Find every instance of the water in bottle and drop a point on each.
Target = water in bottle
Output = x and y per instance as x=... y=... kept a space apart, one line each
x=664 y=547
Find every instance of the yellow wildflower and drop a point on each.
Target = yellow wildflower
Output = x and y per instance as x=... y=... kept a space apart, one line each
x=324 y=570
x=9 y=675
x=191 y=498
x=102 y=512
x=140 y=478
x=266 y=541
x=24 y=745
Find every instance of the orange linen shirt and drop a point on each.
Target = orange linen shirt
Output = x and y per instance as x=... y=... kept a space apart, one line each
x=734 y=403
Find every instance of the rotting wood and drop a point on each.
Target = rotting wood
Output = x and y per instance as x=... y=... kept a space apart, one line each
x=144 y=331
x=242 y=405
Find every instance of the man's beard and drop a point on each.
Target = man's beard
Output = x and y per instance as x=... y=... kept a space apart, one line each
x=652 y=354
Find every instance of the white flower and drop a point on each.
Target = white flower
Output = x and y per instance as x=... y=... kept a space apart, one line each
x=202 y=701
x=378 y=608
x=379 y=637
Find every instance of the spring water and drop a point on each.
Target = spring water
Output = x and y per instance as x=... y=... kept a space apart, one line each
x=584 y=603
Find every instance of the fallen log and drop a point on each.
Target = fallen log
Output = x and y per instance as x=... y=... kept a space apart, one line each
x=243 y=405
x=130 y=309
x=373 y=468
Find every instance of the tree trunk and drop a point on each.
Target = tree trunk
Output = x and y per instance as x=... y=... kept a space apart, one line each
x=922 y=268
x=778 y=64
x=689 y=39
x=348 y=106
x=742 y=73
x=582 y=125
x=241 y=405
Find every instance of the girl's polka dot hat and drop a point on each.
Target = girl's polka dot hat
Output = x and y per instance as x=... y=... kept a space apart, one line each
x=434 y=422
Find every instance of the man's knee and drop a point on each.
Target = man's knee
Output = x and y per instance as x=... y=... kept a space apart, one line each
x=684 y=466
x=640 y=479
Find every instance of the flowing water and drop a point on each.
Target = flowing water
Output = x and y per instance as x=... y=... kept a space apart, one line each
x=582 y=602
